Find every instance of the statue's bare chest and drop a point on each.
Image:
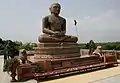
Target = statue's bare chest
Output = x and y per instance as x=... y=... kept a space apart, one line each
x=55 y=23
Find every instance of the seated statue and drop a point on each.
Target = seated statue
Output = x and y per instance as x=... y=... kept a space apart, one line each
x=54 y=27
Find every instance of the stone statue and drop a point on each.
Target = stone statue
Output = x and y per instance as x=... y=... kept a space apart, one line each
x=11 y=66
x=23 y=57
x=54 y=27
x=6 y=53
x=91 y=46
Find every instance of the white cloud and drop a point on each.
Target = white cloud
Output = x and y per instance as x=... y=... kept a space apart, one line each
x=104 y=27
x=87 y=17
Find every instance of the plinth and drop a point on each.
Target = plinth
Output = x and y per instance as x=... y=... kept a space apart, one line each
x=56 y=50
x=53 y=56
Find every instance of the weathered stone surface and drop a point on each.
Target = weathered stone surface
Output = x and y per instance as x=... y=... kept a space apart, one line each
x=54 y=27
x=56 y=50
x=56 y=44
x=66 y=64
x=55 y=47
x=69 y=55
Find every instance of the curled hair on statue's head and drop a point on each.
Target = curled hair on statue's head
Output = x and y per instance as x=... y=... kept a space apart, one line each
x=54 y=4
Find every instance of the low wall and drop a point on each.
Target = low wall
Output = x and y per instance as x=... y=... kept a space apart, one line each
x=85 y=52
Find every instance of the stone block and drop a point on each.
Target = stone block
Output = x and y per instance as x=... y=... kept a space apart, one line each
x=56 y=50
x=56 y=44
x=39 y=56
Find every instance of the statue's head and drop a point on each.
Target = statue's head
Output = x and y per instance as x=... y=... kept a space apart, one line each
x=55 y=8
x=23 y=51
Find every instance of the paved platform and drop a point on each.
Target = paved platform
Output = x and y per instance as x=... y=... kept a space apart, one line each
x=112 y=79
x=111 y=75
x=5 y=78
x=91 y=77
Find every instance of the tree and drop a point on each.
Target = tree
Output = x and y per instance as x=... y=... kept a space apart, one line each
x=27 y=46
x=117 y=47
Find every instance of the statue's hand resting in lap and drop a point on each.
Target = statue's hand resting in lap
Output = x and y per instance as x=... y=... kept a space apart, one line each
x=57 y=33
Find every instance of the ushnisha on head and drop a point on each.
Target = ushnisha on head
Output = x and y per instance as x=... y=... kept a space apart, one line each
x=55 y=8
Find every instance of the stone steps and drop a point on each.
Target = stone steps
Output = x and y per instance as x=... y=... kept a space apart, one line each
x=56 y=44
x=69 y=55
x=56 y=50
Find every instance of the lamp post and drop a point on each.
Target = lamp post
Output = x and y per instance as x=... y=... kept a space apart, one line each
x=75 y=23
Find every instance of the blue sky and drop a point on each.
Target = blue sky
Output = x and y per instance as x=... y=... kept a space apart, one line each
x=98 y=20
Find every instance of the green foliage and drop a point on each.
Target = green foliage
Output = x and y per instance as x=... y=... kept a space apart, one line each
x=82 y=46
x=118 y=55
x=1 y=44
x=9 y=64
x=16 y=45
x=105 y=46
x=37 y=69
x=28 y=46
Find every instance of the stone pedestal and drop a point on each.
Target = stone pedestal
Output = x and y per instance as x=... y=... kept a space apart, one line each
x=56 y=50
x=53 y=56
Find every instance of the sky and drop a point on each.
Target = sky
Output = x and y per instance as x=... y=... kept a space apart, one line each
x=97 y=20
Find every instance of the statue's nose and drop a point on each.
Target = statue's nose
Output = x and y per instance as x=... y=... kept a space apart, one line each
x=57 y=8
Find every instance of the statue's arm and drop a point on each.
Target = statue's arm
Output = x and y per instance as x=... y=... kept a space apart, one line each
x=45 y=26
x=64 y=27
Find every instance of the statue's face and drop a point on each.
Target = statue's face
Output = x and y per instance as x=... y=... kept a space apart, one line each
x=55 y=8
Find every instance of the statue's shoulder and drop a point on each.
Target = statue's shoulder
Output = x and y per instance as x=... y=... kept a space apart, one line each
x=46 y=17
x=62 y=18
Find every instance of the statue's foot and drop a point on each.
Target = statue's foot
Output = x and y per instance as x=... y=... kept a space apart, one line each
x=14 y=80
x=4 y=70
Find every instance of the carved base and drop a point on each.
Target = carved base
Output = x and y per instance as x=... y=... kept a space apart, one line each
x=49 y=65
x=56 y=50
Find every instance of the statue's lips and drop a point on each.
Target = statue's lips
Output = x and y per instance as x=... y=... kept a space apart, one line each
x=57 y=11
